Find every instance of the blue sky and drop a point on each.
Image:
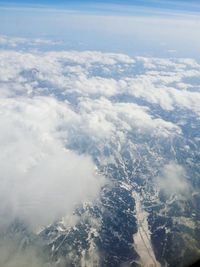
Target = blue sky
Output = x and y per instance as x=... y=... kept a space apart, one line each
x=140 y=27
x=178 y=5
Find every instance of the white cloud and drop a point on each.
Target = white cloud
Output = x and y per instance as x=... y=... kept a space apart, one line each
x=14 y=42
x=160 y=83
x=56 y=100
x=12 y=256
x=41 y=180
x=124 y=117
x=173 y=179
x=157 y=81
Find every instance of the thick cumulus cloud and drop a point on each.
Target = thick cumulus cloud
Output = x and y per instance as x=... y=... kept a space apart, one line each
x=51 y=103
x=41 y=180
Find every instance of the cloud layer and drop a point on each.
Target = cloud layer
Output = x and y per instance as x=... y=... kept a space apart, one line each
x=41 y=180
x=53 y=104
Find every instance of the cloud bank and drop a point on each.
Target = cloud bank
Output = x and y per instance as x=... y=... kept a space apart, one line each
x=41 y=180
x=61 y=113
x=19 y=42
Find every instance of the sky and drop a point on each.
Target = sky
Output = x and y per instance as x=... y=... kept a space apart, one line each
x=180 y=4
x=141 y=27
